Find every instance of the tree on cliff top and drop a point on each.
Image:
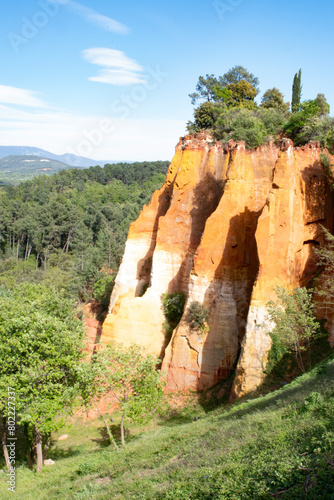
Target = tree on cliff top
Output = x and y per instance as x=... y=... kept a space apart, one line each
x=274 y=99
x=204 y=89
x=296 y=92
x=235 y=82
x=236 y=75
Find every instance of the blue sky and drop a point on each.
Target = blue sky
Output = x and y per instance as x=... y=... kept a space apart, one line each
x=110 y=80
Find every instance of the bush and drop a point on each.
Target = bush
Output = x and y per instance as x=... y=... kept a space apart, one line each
x=329 y=141
x=241 y=125
x=198 y=317
x=326 y=164
x=294 y=321
x=102 y=290
x=310 y=123
x=173 y=305
x=272 y=119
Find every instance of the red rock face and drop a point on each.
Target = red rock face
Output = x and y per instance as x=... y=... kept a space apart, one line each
x=227 y=226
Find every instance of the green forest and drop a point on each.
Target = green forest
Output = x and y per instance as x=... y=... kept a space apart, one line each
x=70 y=229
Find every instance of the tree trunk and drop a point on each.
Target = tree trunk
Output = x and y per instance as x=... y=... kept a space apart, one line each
x=4 y=443
x=39 y=451
x=26 y=252
x=17 y=251
x=122 y=431
x=111 y=437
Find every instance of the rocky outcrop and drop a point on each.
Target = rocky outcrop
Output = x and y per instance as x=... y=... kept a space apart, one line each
x=228 y=225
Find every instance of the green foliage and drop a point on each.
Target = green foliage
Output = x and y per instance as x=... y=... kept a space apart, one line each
x=198 y=317
x=326 y=164
x=102 y=290
x=223 y=94
x=294 y=321
x=325 y=255
x=204 y=89
x=241 y=125
x=173 y=305
x=296 y=92
x=41 y=346
x=329 y=140
x=310 y=122
x=323 y=106
x=242 y=95
x=274 y=99
x=129 y=377
x=237 y=87
x=238 y=74
x=272 y=119
x=232 y=113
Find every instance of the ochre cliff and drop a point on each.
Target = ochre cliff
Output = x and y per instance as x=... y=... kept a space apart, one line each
x=228 y=225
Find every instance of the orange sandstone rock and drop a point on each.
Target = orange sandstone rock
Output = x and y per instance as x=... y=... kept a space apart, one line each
x=227 y=227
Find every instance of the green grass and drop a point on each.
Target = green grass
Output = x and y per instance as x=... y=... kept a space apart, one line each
x=280 y=445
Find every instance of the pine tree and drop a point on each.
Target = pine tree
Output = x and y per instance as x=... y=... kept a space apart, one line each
x=296 y=92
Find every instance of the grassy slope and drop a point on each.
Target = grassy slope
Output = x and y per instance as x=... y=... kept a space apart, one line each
x=276 y=446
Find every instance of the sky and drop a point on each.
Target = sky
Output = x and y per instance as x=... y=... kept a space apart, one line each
x=110 y=80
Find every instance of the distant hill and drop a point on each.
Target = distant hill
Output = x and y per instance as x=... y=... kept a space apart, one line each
x=18 y=168
x=70 y=159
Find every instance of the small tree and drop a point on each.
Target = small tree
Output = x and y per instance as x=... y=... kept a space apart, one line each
x=204 y=89
x=237 y=74
x=294 y=320
x=325 y=256
x=149 y=400
x=274 y=99
x=173 y=305
x=198 y=317
x=329 y=141
x=296 y=92
x=41 y=344
x=131 y=379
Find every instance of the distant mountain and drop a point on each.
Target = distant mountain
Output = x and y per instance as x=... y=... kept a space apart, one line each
x=18 y=168
x=69 y=159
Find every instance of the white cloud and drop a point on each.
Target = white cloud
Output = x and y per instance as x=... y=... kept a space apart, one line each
x=118 y=68
x=20 y=97
x=100 y=20
x=117 y=77
x=62 y=132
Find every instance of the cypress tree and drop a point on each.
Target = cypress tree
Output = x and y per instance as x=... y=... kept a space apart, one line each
x=296 y=92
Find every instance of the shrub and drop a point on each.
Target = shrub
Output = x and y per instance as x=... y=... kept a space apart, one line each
x=272 y=119
x=241 y=125
x=329 y=141
x=102 y=290
x=294 y=321
x=198 y=317
x=326 y=164
x=173 y=305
